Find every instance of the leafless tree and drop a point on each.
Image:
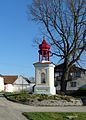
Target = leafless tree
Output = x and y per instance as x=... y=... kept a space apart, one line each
x=65 y=23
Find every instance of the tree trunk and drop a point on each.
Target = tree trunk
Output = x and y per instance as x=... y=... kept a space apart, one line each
x=64 y=78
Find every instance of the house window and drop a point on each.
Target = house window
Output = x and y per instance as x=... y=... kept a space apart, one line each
x=73 y=84
x=78 y=74
x=56 y=74
x=60 y=73
x=73 y=74
x=57 y=83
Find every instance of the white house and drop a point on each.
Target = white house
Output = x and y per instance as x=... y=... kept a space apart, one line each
x=15 y=84
x=1 y=84
x=21 y=84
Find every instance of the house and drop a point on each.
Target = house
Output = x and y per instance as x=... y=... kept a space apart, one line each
x=15 y=84
x=77 y=77
x=1 y=84
x=21 y=84
x=8 y=83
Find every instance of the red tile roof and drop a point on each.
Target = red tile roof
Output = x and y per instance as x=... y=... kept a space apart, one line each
x=9 y=79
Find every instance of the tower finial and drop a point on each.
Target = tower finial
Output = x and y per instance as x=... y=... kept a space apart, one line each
x=44 y=37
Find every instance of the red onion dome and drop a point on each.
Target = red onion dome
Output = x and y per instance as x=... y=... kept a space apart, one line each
x=44 y=45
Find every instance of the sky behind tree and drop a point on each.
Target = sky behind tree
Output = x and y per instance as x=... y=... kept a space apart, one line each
x=17 y=54
x=16 y=35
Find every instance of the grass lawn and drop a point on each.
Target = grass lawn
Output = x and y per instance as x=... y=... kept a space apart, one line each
x=55 y=116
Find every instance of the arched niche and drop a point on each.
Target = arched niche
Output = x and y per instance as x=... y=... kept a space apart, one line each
x=43 y=78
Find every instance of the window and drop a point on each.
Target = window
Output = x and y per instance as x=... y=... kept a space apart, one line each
x=78 y=74
x=73 y=84
x=56 y=74
x=75 y=74
x=60 y=73
x=57 y=83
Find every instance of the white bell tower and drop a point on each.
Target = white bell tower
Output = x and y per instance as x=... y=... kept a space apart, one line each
x=44 y=71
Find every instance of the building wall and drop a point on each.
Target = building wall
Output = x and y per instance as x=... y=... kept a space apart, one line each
x=80 y=82
x=20 y=80
x=8 y=88
x=1 y=84
x=44 y=77
x=20 y=88
x=22 y=85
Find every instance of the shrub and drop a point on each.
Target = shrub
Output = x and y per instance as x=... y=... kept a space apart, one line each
x=81 y=92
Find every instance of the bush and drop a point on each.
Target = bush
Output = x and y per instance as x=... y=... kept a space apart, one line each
x=81 y=92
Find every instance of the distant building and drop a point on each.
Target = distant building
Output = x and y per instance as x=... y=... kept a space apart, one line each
x=1 y=84
x=8 y=83
x=21 y=84
x=15 y=84
x=77 y=77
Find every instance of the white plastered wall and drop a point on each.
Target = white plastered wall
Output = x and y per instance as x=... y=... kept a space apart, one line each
x=48 y=87
x=1 y=84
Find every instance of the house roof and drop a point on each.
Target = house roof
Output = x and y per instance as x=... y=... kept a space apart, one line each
x=74 y=68
x=26 y=79
x=21 y=80
x=9 y=79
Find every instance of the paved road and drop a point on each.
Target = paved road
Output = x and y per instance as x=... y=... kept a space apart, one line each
x=13 y=111
x=8 y=111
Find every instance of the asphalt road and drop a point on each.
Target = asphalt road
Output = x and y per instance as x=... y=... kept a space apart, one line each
x=13 y=111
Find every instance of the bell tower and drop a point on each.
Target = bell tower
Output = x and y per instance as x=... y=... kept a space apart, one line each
x=44 y=71
x=44 y=51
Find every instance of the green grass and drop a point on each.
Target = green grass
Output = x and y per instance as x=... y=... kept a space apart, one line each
x=55 y=116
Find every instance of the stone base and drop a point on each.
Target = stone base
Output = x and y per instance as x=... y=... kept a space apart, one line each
x=45 y=90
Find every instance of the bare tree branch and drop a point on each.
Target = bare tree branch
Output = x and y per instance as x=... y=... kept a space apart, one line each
x=65 y=23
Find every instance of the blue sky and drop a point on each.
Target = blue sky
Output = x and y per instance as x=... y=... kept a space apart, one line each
x=16 y=35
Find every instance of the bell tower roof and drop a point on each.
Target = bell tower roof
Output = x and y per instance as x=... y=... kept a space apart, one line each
x=44 y=50
x=44 y=45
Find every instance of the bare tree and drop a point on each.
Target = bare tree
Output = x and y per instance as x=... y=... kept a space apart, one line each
x=65 y=23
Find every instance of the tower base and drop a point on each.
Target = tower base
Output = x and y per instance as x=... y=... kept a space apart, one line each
x=45 y=90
